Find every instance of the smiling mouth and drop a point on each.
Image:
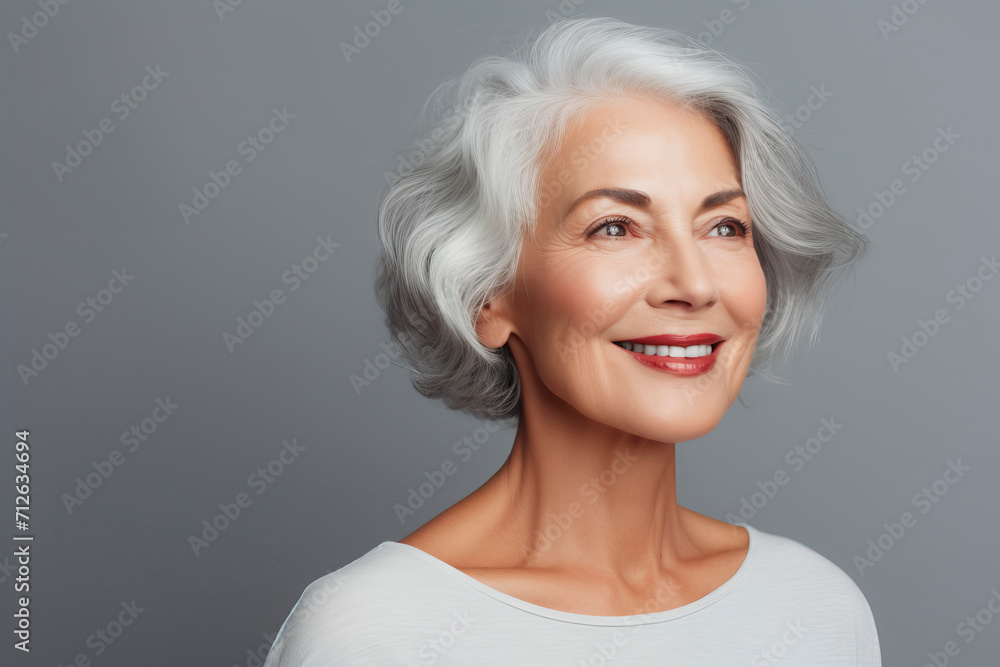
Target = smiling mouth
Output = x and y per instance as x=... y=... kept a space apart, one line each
x=674 y=351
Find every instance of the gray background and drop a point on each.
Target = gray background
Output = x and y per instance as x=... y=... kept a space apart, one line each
x=162 y=336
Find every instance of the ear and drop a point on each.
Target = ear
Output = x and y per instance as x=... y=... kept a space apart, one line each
x=494 y=324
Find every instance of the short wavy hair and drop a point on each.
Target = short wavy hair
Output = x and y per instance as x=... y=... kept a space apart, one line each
x=450 y=225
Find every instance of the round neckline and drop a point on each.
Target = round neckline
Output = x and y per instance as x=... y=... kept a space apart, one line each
x=588 y=619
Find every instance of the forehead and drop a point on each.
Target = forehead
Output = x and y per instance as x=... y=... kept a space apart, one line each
x=641 y=141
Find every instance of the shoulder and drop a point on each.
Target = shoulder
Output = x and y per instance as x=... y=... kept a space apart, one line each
x=344 y=617
x=784 y=559
x=805 y=584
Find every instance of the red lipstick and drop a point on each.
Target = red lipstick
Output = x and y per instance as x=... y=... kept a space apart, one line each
x=678 y=365
x=682 y=341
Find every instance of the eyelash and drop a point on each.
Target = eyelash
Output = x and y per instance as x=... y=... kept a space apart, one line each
x=625 y=222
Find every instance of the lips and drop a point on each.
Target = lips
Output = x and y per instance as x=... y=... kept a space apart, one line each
x=704 y=347
x=703 y=361
x=680 y=341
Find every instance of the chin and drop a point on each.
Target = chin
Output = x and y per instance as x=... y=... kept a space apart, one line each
x=675 y=421
x=681 y=429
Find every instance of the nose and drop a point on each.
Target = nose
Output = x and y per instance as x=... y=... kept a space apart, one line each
x=682 y=278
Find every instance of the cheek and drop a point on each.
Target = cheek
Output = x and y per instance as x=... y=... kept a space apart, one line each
x=745 y=295
x=579 y=299
x=571 y=311
x=756 y=292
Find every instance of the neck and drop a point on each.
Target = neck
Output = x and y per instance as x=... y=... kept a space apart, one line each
x=575 y=486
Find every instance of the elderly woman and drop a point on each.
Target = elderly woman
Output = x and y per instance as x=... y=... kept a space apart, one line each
x=606 y=239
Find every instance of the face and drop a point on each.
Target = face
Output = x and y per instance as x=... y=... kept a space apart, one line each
x=638 y=235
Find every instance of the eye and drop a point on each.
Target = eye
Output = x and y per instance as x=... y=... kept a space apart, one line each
x=618 y=228
x=617 y=225
x=735 y=224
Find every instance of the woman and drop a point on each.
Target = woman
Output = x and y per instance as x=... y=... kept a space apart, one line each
x=611 y=234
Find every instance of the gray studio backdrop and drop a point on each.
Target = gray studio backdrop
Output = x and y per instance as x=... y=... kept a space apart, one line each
x=190 y=328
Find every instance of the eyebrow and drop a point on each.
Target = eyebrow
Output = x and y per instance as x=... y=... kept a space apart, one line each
x=642 y=200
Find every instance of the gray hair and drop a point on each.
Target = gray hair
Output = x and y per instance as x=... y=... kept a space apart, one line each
x=450 y=226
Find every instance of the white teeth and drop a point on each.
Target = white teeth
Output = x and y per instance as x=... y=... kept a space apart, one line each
x=668 y=350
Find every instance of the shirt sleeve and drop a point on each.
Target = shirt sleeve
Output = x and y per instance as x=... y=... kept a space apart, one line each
x=869 y=653
x=317 y=631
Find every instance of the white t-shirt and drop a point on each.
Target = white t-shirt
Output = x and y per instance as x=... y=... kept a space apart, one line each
x=397 y=605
